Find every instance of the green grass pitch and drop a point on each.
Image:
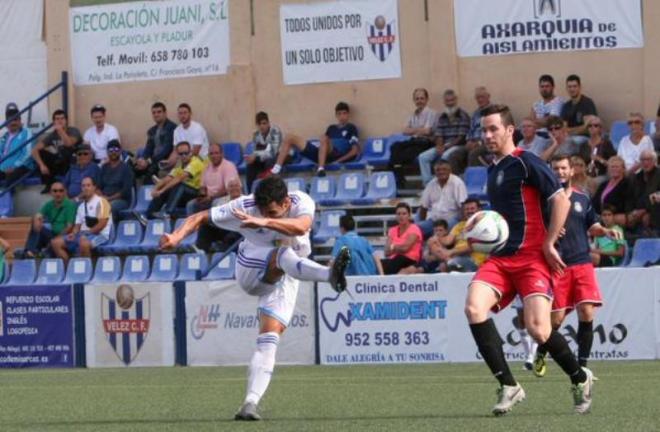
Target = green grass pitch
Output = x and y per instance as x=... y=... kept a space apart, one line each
x=455 y=397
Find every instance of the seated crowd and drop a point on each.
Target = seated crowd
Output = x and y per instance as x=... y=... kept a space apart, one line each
x=91 y=177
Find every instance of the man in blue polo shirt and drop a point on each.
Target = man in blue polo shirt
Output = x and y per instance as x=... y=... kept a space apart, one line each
x=363 y=259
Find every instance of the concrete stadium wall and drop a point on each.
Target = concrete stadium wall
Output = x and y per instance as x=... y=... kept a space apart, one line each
x=620 y=81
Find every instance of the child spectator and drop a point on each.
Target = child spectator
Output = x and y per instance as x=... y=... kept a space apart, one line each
x=607 y=251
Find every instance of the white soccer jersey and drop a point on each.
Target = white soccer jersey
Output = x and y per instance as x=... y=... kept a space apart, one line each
x=301 y=204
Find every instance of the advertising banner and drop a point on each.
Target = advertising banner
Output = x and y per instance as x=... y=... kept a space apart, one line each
x=222 y=325
x=497 y=27
x=340 y=41
x=135 y=41
x=36 y=326
x=129 y=324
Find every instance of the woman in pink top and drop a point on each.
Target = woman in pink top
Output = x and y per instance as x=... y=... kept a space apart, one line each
x=404 y=242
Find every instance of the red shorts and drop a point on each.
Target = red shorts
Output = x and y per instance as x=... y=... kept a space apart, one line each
x=577 y=285
x=523 y=274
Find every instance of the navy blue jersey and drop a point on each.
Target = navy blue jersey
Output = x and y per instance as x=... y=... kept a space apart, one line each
x=343 y=137
x=519 y=187
x=574 y=245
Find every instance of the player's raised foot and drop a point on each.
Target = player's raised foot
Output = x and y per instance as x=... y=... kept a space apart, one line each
x=507 y=397
x=582 y=393
x=540 y=366
x=337 y=273
x=247 y=412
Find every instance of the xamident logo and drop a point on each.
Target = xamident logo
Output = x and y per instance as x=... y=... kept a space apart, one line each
x=333 y=312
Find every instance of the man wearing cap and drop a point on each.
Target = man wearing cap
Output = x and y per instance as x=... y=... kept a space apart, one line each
x=100 y=134
x=84 y=167
x=15 y=160
x=116 y=180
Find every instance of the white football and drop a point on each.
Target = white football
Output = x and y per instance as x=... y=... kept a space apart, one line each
x=488 y=233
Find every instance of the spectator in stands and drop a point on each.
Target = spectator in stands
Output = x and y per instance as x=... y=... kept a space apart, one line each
x=267 y=140
x=478 y=154
x=460 y=256
x=191 y=132
x=56 y=217
x=212 y=238
x=100 y=134
x=449 y=133
x=403 y=246
x=364 y=261
x=578 y=110
x=441 y=198
x=601 y=149
x=548 y=105
x=116 y=180
x=420 y=130
x=435 y=254
x=632 y=146
x=178 y=187
x=608 y=251
x=656 y=135
x=644 y=184
x=5 y=254
x=580 y=180
x=614 y=191
x=214 y=178
x=159 y=146
x=54 y=154
x=340 y=143
x=561 y=143
x=92 y=228
x=84 y=167
x=531 y=141
x=14 y=153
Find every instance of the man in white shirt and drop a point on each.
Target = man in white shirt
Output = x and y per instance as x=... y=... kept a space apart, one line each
x=442 y=198
x=100 y=134
x=191 y=132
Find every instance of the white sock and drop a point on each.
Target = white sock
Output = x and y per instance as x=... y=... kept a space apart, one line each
x=301 y=268
x=261 y=366
x=528 y=343
x=276 y=168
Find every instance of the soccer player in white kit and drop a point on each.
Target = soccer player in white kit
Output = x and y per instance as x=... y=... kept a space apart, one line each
x=271 y=260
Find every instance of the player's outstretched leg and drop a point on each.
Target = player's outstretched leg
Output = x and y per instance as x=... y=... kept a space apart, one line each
x=306 y=269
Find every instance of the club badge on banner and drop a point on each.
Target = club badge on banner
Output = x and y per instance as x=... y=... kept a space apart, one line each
x=134 y=41
x=222 y=325
x=36 y=326
x=498 y=27
x=129 y=324
x=340 y=41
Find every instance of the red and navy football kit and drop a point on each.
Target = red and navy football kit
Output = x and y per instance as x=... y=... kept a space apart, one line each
x=578 y=283
x=519 y=188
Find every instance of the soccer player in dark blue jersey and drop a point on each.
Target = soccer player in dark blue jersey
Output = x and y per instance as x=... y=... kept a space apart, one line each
x=522 y=188
x=576 y=288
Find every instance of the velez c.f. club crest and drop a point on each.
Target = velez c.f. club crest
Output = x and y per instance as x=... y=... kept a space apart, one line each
x=381 y=37
x=126 y=322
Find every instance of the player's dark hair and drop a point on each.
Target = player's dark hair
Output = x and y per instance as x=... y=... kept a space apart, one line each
x=271 y=189
x=554 y=120
x=573 y=77
x=441 y=222
x=342 y=106
x=403 y=205
x=184 y=105
x=608 y=207
x=159 y=105
x=347 y=222
x=261 y=116
x=472 y=201
x=547 y=78
x=502 y=110
x=60 y=112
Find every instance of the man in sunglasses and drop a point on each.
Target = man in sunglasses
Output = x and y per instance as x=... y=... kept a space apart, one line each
x=178 y=187
x=116 y=180
x=562 y=143
x=84 y=167
x=55 y=217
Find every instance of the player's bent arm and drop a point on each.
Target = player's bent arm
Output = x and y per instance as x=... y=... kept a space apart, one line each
x=290 y=226
x=560 y=205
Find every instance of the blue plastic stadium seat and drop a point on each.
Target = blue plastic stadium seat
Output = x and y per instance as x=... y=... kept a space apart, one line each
x=188 y=242
x=221 y=269
x=376 y=153
x=618 y=130
x=296 y=184
x=475 y=182
x=152 y=234
x=79 y=270
x=349 y=187
x=108 y=269
x=193 y=266
x=23 y=272
x=51 y=272
x=164 y=269
x=249 y=149
x=136 y=268
x=233 y=152
x=128 y=235
x=646 y=252
x=329 y=227
x=382 y=185
x=322 y=188
x=142 y=201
